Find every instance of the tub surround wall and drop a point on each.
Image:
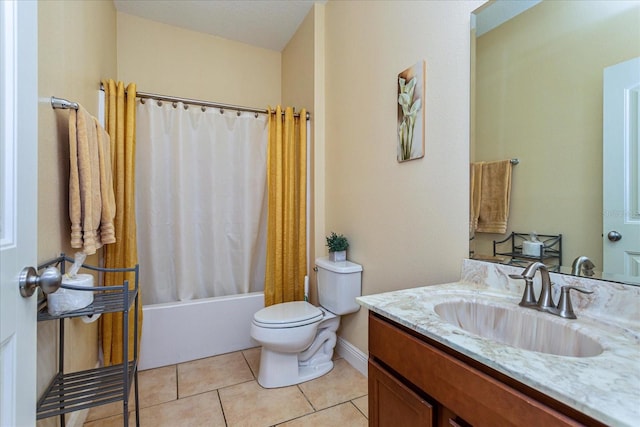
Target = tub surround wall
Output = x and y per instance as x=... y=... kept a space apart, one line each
x=604 y=387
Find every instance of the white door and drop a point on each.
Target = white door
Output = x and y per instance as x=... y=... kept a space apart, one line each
x=621 y=158
x=18 y=209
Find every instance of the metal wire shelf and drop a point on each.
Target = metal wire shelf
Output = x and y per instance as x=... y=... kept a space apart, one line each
x=85 y=389
x=74 y=391
x=551 y=249
x=104 y=301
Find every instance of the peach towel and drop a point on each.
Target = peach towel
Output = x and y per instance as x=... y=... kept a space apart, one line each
x=495 y=196
x=89 y=183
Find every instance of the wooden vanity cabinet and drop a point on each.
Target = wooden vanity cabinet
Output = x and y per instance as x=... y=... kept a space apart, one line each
x=414 y=381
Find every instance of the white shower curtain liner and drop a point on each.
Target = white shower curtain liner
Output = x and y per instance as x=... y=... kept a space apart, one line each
x=201 y=201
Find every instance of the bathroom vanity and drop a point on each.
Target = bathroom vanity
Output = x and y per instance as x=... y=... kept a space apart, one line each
x=426 y=369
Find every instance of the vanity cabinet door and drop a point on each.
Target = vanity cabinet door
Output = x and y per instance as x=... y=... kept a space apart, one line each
x=393 y=404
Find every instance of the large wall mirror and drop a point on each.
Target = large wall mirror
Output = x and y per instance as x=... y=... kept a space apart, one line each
x=537 y=96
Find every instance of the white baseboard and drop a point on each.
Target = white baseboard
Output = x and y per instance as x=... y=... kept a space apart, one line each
x=352 y=355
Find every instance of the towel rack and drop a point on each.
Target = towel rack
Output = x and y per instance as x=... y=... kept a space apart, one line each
x=515 y=161
x=63 y=103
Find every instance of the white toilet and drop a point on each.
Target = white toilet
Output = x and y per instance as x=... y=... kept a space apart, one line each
x=298 y=338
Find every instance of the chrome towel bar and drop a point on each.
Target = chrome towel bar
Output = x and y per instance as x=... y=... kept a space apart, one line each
x=63 y=103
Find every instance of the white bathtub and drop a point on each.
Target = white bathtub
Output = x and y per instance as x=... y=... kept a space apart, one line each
x=182 y=331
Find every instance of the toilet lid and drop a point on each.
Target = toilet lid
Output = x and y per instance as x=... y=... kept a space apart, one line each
x=288 y=314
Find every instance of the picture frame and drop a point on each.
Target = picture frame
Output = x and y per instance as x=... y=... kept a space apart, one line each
x=411 y=85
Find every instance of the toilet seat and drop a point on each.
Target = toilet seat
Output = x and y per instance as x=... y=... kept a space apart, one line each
x=287 y=315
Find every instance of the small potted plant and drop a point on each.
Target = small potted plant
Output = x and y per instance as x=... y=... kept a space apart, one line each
x=337 y=245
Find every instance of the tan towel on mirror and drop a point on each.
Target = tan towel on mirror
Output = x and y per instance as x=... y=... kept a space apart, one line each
x=475 y=183
x=89 y=183
x=495 y=197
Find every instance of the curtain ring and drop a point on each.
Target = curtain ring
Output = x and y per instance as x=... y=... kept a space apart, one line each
x=159 y=103
x=203 y=108
x=175 y=105
x=142 y=101
x=239 y=113
x=256 y=115
x=221 y=111
x=186 y=106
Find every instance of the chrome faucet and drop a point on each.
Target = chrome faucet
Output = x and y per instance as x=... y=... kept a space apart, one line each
x=545 y=300
x=582 y=265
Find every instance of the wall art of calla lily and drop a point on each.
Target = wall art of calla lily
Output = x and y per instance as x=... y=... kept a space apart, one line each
x=411 y=83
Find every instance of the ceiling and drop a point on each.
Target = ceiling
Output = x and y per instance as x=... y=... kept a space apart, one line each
x=269 y=24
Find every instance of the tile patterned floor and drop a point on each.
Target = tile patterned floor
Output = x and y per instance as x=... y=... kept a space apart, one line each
x=222 y=391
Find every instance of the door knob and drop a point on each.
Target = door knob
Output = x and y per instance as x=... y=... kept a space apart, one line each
x=614 y=236
x=50 y=280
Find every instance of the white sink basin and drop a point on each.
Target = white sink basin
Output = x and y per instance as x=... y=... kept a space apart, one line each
x=519 y=327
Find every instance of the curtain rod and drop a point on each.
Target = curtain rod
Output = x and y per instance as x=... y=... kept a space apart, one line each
x=206 y=103
x=148 y=95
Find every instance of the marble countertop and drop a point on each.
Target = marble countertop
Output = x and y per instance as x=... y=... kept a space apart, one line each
x=606 y=386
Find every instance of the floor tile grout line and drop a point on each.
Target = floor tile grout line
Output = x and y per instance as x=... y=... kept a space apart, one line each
x=253 y=377
x=296 y=418
x=208 y=391
x=307 y=399
x=224 y=417
x=177 y=381
x=358 y=409
x=321 y=410
x=247 y=362
x=231 y=385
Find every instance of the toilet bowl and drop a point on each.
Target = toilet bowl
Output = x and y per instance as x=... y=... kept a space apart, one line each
x=298 y=338
x=288 y=327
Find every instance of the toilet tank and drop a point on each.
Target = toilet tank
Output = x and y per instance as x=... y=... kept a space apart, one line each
x=339 y=283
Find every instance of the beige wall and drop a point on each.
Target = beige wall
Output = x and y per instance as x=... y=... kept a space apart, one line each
x=168 y=60
x=298 y=64
x=407 y=223
x=319 y=131
x=539 y=92
x=76 y=48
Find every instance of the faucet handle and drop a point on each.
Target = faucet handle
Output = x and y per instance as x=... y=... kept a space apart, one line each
x=565 y=308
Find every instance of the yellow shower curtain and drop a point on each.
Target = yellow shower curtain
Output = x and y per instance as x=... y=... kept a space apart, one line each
x=121 y=126
x=287 y=199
